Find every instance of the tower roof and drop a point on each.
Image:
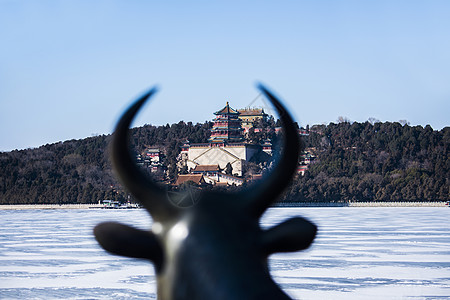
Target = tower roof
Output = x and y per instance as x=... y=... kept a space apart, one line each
x=227 y=110
x=206 y=168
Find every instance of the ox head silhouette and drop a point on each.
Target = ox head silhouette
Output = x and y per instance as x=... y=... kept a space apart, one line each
x=216 y=248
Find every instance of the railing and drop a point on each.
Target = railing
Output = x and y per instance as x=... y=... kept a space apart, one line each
x=363 y=204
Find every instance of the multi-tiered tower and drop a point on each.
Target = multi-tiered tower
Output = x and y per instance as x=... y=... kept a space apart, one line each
x=226 y=146
x=227 y=126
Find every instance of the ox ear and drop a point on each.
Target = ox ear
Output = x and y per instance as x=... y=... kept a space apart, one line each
x=292 y=235
x=127 y=241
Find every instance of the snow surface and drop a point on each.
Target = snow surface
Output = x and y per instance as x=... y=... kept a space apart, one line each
x=359 y=253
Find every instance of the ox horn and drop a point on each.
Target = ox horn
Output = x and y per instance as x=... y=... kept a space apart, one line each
x=148 y=193
x=258 y=197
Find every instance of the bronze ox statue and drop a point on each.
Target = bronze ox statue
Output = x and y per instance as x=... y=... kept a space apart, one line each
x=216 y=248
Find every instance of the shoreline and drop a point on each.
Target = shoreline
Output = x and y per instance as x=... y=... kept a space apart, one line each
x=363 y=204
x=278 y=205
x=48 y=206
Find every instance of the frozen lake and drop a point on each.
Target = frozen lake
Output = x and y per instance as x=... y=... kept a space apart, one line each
x=359 y=253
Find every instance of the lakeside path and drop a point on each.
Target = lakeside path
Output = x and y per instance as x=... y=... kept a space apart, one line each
x=351 y=204
x=398 y=204
x=365 y=204
x=49 y=206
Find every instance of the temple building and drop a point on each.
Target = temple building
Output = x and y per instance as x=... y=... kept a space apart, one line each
x=267 y=146
x=249 y=116
x=227 y=126
x=153 y=159
x=226 y=145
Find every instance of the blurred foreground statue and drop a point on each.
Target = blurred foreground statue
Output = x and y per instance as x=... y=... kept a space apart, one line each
x=214 y=249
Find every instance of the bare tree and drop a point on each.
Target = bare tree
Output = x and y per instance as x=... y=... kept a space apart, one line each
x=342 y=119
x=403 y=122
x=373 y=120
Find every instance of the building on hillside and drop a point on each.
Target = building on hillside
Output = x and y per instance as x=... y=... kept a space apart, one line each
x=153 y=154
x=226 y=145
x=227 y=126
x=207 y=170
x=236 y=154
x=222 y=179
x=201 y=179
x=212 y=175
x=152 y=159
x=306 y=159
x=301 y=169
x=197 y=179
x=303 y=132
x=267 y=146
x=254 y=177
x=249 y=116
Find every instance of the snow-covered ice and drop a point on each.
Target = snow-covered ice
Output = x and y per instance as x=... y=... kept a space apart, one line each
x=359 y=253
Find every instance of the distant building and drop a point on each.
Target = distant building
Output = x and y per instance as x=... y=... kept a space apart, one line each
x=152 y=158
x=301 y=169
x=254 y=177
x=153 y=154
x=267 y=146
x=225 y=145
x=212 y=175
x=197 y=179
x=227 y=126
x=303 y=132
x=207 y=170
x=236 y=154
x=224 y=179
x=306 y=159
x=249 y=116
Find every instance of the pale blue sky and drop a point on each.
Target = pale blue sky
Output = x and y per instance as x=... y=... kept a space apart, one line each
x=69 y=68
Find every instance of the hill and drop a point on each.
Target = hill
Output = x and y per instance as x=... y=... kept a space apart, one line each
x=79 y=171
x=376 y=162
x=356 y=161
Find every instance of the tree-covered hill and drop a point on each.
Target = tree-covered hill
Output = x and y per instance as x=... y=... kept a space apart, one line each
x=75 y=171
x=376 y=162
x=79 y=171
x=358 y=162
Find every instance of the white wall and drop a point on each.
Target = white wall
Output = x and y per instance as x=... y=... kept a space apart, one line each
x=218 y=155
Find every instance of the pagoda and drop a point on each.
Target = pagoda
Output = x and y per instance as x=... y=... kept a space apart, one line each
x=225 y=147
x=227 y=126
